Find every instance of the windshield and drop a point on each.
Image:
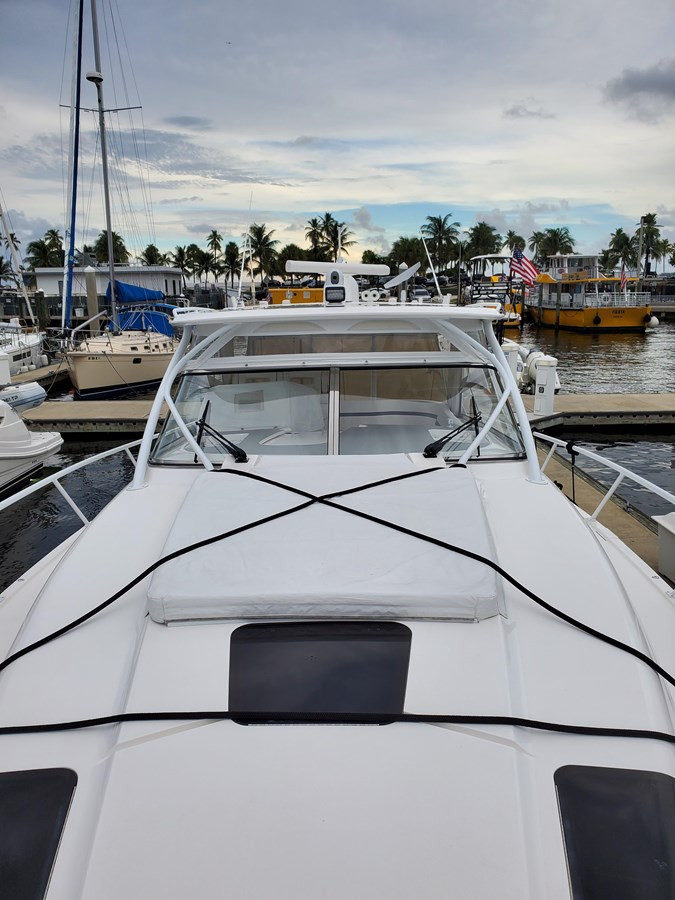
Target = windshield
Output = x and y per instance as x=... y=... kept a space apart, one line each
x=436 y=409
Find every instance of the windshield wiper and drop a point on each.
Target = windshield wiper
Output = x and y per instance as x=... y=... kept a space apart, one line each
x=431 y=450
x=238 y=453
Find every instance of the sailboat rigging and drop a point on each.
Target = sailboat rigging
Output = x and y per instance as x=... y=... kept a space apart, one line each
x=133 y=353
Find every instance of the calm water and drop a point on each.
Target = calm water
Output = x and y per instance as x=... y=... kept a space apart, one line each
x=609 y=363
x=36 y=525
x=629 y=363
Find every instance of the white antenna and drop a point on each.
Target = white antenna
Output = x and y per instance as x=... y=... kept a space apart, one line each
x=431 y=265
x=244 y=250
x=402 y=277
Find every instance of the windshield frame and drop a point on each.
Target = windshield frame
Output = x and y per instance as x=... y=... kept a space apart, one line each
x=333 y=366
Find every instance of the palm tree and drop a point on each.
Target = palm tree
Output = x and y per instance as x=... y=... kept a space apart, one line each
x=6 y=271
x=484 y=240
x=38 y=255
x=607 y=261
x=180 y=261
x=315 y=235
x=152 y=256
x=622 y=248
x=120 y=252
x=441 y=236
x=290 y=251
x=215 y=243
x=232 y=259
x=336 y=235
x=192 y=256
x=513 y=241
x=408 y=250
x=205 y=262
x=54 y=241
x=661 y=249
x=535 y=244
x=369 y=257
x=556 y=241
x=651 y=234
x=263 y=248
x=12 y=240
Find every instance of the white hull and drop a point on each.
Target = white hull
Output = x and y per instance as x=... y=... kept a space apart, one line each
x=23 y=396
x=119 y=362
x=21 y=451
x=23 y=349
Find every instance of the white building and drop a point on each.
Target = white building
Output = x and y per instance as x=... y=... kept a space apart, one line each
x=155 y=278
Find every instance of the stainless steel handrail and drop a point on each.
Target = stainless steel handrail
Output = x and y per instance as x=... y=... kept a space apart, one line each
x=622 y=471
x=55 y=479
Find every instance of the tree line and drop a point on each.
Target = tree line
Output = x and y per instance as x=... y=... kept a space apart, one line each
x=448 y=246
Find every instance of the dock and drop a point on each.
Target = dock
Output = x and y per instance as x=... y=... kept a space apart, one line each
x=104 y=419
x=609 y=412
x=46 y=376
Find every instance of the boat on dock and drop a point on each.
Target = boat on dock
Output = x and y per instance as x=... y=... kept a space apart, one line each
x=130 y=356
x=573 y=295
x=321 y=642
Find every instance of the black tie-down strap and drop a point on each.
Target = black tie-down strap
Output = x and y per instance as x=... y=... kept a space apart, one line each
x=328 y=500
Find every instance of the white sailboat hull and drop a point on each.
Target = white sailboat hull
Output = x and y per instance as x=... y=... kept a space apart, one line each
x=115 y=364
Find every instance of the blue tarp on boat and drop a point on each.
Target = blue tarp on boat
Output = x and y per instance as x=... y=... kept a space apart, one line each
x=132 y=293
x=145 y=320
x=153 y=317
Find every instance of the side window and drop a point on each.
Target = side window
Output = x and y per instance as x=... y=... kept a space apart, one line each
x=33 y=809
x=619 y=830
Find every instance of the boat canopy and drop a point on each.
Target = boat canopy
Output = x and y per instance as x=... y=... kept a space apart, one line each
x=145 y=320
x=133 y=293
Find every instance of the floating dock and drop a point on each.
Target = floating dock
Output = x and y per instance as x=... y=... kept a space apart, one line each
x=46 y=376
x=609 y=412
x=103 y=419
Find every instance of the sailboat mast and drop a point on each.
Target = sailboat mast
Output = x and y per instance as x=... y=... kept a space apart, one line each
x=15 y=263
x=97 y=79
x=67 y=300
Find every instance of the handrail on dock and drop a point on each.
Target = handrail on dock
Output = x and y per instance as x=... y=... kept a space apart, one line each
x=622 y=472
x=56 y=477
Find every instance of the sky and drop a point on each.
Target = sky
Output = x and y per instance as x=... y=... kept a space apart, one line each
x=527 y=114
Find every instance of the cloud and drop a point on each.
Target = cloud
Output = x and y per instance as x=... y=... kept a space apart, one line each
x=646 y=94
x=26 y=228
x=364 y=220
x=171 y=201
x=41 y=159
x=522 y=112
x=376 y=235
x=527 y=217
x=194 y=123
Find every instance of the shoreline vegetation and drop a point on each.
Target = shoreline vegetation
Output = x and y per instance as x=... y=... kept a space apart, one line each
x=449 y=247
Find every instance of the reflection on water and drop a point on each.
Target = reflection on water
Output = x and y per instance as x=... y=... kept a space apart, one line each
x=37 y=524
x=652 y=459
x=609 y=363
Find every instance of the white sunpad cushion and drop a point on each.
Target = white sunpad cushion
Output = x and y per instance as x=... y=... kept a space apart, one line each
x=323 y=562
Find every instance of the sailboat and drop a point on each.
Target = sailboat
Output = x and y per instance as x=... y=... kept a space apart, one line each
x=134 y=352
x=22 y=345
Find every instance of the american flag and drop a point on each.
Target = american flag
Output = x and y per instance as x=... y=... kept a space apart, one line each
x=624 y=280
x=521 y=265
